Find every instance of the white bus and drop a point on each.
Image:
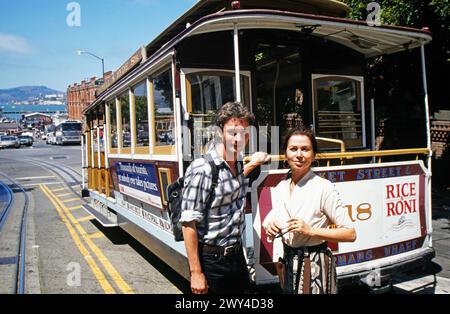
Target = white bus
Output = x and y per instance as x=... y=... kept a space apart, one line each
x=290 y=62
x=68 y=132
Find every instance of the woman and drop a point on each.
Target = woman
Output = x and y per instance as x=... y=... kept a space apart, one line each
x=304 y=207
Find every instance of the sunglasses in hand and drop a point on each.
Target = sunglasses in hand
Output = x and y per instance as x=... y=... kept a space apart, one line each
x=281 y=233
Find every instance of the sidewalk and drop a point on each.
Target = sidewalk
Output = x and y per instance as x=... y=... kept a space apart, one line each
x=434 y=278
x=441 y=201
x=441 y=233
x=427 y=284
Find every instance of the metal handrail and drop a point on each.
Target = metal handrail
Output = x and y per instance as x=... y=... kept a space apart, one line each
x=378 y=153
x=332 y=140
x=351 y=155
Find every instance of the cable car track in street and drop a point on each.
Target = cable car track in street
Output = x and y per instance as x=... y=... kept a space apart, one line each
x=12 y=187
x=106 y=276
x=61 y=168
x=19 y=259
x=8 y=204
x=51 y=168
x=60 y=234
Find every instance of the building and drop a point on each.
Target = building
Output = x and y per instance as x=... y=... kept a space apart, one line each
x=37 y=118
x=440 y=133
x=80 y=95
x=60 y=118
x=10 y=128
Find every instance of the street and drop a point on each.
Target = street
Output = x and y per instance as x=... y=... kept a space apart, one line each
x=68 y=252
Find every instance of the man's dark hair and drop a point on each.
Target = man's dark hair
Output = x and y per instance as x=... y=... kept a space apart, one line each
x=232 y=110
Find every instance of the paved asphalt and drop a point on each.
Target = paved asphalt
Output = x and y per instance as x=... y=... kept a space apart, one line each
x=68 y=252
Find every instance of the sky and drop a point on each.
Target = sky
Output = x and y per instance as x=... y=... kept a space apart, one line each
x=39 y=39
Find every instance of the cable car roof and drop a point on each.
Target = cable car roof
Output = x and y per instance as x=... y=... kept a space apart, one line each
x=370 y=41
x=329 y=13
x=207 y=7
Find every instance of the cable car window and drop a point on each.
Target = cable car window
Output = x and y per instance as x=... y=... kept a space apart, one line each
x=338 y=110
x=141 y=108
x=210 y=90
x=113 y=124
x=207 y=91
x=125 y=119
x=163 y=109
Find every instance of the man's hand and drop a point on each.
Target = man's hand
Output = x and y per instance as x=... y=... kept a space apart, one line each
x=198 y=279
x=260 y=158
x=199 y=285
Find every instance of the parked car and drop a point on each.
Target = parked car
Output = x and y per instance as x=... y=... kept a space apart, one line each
x=26 y=140
x=9 y=141
x=51 y=138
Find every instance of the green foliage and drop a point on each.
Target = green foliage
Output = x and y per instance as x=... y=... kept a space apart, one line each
x=434 y=14
x=401 y=12
x=441 y=8
x=392 y=80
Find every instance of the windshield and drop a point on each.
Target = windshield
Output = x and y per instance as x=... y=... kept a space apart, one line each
x=71 y=127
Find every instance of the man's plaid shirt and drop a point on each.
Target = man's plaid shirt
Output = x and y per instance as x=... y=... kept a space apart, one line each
x=226 y=218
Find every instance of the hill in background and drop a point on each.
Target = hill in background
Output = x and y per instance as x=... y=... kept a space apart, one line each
x=24 y=93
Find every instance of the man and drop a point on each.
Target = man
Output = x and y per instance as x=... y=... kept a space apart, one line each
x=213 y=235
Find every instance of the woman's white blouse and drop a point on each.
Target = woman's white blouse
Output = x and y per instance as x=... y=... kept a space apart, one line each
x=315 y=200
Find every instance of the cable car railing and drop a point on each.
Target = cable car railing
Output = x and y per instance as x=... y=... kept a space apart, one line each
x=343 y=156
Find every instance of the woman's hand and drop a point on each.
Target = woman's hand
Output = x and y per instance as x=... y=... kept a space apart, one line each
x=273 y=229
x=298 y=225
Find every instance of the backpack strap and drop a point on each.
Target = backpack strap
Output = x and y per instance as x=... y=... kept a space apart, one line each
x=212 y=194
x=214 y=170
x=215 y=180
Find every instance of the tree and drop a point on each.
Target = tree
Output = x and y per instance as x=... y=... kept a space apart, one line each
x=391 y=76
x=434 y=14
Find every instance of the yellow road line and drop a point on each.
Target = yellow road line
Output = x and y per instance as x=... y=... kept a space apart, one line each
x=65 y=194
x=106 y=286
x=102 y=258
x=86 y=218
x=96 y=235
x=57 y=190
x=70 y=200
x=74 y=207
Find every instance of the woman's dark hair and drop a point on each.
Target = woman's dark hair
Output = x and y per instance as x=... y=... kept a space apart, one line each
x=300 y=131
x=232 y=110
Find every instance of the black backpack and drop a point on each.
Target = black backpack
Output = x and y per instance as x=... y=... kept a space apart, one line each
x=175 y=196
